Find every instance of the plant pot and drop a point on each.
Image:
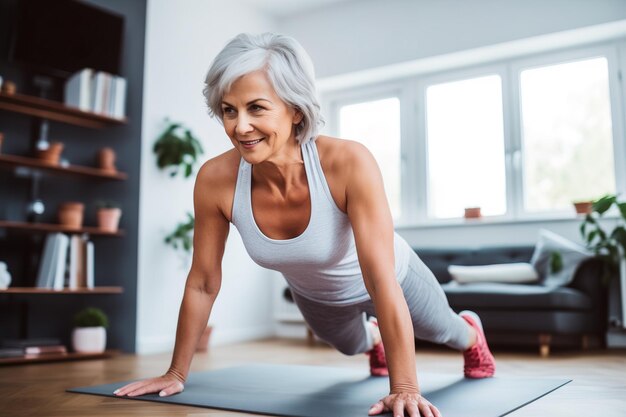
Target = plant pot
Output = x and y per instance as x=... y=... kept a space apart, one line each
x=583 y=207
x=71 y=214
x=106 y=159
x=109 y=219
x=89 y=339
x=52 y=155
x=203 y=342
x=472 y=213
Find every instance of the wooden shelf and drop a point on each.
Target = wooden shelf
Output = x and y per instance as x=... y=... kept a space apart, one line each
x=50 y=227
x=54 y=357
x=57 y=111
x=35 y=290
x=13 y=161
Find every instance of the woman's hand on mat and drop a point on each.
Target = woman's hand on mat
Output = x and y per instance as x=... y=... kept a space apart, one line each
x=414 y=404
x=165 y=385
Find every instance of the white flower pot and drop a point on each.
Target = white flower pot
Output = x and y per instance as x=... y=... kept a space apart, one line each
x=89 y=339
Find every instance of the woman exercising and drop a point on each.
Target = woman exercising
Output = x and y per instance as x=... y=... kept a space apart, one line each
x=314 y=208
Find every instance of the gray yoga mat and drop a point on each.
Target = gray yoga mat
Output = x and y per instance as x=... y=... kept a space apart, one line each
x=317 y=391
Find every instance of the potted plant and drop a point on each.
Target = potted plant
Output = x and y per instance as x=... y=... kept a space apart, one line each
x=177 y=148
x=108 y=214
x=71 y=214
x=182 y=236
x=89 y=335
x=608 y=246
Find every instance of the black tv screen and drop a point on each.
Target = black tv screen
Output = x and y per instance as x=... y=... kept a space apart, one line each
x=61 y=37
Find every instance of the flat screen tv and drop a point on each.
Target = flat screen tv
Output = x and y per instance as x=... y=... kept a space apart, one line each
x=61 y=37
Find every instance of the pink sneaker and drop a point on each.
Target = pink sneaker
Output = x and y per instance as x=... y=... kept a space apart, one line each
x=378 y=360
x=479 y=362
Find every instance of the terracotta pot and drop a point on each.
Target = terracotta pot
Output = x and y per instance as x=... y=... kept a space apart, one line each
x=109 y=218
x=71 y=214
x=89 y=339
x=9 y=88
x=52 y=155
x=472 y=213
x=583 y=207
x=106 y=159
x=203 y=342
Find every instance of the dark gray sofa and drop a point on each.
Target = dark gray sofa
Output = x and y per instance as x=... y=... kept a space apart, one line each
x=518 y=313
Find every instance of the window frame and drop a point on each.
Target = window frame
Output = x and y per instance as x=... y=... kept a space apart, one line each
x=411 y=91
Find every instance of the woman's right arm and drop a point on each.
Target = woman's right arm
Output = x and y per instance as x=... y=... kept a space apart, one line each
x=202 y=286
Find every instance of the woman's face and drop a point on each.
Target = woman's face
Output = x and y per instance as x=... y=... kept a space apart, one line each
x=256 y=120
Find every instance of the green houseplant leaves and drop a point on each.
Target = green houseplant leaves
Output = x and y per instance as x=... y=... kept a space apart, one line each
x=608 y=246
x=182 y=236
x=178 y=148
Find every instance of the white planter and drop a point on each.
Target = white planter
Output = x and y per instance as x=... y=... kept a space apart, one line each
x=89 y=339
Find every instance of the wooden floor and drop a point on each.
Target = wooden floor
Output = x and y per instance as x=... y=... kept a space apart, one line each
x=598 y=389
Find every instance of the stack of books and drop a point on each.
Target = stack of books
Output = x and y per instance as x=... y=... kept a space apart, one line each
x=97 y=92
x=31 y=347
x=66 y=262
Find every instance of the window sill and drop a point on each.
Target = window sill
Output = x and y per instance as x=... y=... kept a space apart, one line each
x=497 y=221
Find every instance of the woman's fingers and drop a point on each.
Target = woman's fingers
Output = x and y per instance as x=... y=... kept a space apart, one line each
x=163 y=385
x=376 y=408
x=171 y=389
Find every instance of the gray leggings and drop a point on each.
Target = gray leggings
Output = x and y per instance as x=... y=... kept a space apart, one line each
x=343 y=327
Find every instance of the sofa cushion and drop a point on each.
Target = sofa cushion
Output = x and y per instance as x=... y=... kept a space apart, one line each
x=513 y=273
x=572 y=254
x=515 y=296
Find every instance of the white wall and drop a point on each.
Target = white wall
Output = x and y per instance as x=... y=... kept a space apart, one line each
x=182 y=38
x=350 y=38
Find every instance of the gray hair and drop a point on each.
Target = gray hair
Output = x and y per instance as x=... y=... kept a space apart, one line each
x=287 y=65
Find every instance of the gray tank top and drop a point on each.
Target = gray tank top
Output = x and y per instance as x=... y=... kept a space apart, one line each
x=320 y=264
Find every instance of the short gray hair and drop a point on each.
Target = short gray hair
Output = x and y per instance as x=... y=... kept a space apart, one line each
x=287 y=65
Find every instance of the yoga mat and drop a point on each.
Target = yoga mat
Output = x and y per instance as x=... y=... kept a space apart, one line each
x=317 y=391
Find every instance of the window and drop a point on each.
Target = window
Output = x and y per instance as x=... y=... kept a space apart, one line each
x=376 y=124
x=465 y=146
x=566 y=134
x=521 y=138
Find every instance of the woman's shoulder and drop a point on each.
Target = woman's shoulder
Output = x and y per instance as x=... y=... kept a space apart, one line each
x=341 y=153
x=220 y=169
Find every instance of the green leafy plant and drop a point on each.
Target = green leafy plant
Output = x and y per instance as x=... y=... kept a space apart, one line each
x=556 y=262
x=182 y=236
x=91 y=317
x=107 y=204
x=177 y=148
x=608 y=246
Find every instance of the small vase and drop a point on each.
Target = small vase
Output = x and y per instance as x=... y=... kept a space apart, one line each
x=71 y=214
x=52 y=155
x=89 y=339
x=106 y=159
x=583 y=207
x=472 y=213
x=109 y=219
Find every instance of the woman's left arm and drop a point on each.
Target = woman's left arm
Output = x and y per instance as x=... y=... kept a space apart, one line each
x=369 y=214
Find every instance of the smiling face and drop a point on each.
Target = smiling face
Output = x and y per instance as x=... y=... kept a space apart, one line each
x=256 y=120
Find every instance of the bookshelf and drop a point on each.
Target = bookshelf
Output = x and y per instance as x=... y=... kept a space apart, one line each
x=56 y=111
x=16 y=161
x=48 y=110
x=55 y=357
x=33 y=290
x=52 y=228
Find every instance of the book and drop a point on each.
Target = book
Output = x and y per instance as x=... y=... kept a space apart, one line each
x=97 y=92
x=119 y=98
x=77 y=268
x=89 y=262
x=60 y=261
x=45 y=261
x=78 y=89
x=11 y=352
x=38 y=350
x=24 y=343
